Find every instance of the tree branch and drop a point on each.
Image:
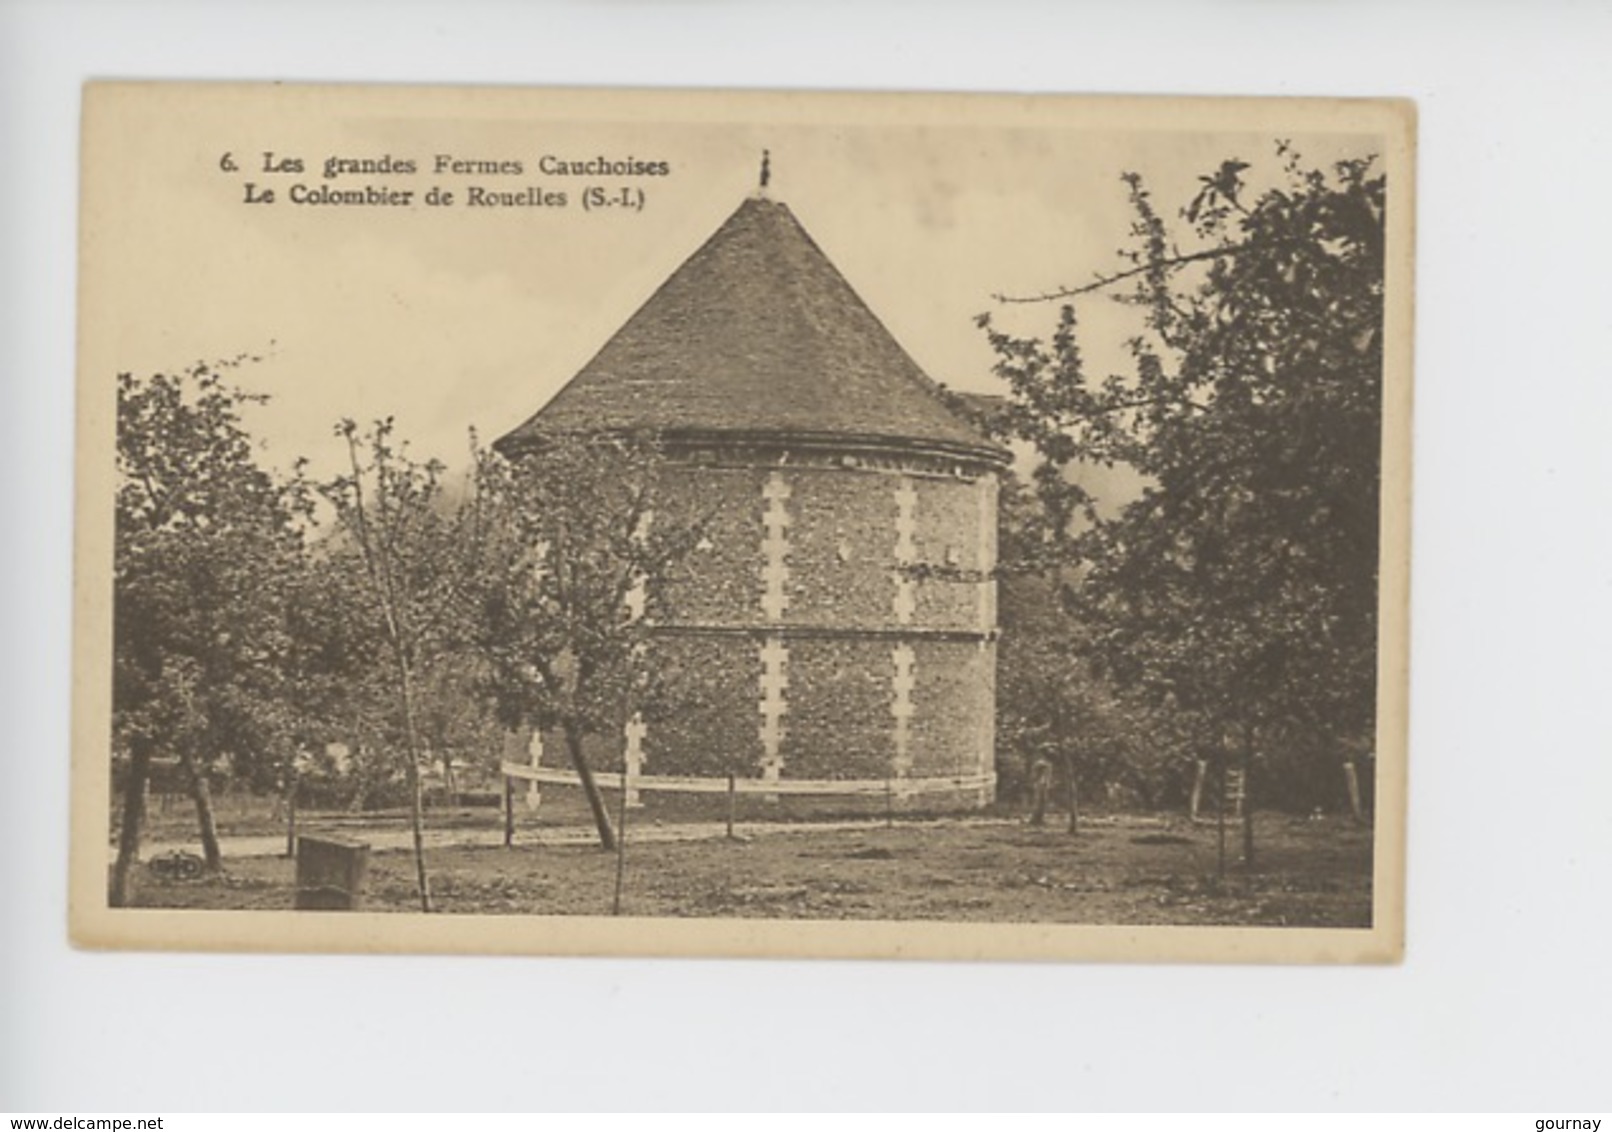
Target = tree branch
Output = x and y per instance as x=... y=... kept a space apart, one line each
x=1104 y=281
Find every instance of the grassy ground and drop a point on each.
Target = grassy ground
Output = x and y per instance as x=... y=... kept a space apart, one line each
x=1119 y=870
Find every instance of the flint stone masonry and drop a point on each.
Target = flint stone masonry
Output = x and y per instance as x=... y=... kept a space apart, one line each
x=798 y=648
x=840 y=697
x=952 y=690
x=841 y=548
x=717 y=582
x=827 y=680
x=902 y=709
x=986 y=492
x=709 y=726
x=948 y=541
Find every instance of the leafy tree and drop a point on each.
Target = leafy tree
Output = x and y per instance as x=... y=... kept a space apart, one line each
x=1053 y=701
x=412 y=559
x=331 y=678
x=1239 y=584
x=1052 y=705
x=458 y=717
x=579 y=580
x=205 y=542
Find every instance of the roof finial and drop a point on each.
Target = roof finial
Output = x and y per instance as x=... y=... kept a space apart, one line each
x=766 y=170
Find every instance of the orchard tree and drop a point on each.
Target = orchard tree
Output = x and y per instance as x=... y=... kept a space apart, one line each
x=205 y=542
x=580 y=578
x=332 y=669
x=1240 y=583
x=1053 y=706
x=1053 y=701
x=458 y=716
x=412 y=558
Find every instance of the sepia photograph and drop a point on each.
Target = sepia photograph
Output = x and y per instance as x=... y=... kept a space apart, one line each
x=742 y=524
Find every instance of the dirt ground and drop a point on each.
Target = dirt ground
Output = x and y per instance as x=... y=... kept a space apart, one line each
x=1118 y=870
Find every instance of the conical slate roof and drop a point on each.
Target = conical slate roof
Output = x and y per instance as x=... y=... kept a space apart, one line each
x=757 y=335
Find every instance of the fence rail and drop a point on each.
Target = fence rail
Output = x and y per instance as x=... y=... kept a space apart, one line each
x=865 y=787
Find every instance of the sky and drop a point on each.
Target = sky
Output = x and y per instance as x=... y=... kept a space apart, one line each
x=453 y=318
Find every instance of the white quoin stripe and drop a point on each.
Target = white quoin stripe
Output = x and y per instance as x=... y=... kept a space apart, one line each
x=774 y=680
x=775 y=547
x=638 y=594
x=534 y=796
x=634 y=732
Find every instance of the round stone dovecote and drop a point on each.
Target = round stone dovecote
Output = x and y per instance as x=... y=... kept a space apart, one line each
x=834 y=632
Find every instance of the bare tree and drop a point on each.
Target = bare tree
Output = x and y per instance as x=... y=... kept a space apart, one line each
x=416 y=557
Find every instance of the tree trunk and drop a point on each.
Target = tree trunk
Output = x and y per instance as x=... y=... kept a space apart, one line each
x=411 y=767
x=202 y=794
x=1197 y=789
x=621 y=849
x=1040 y=785
x=1220 y=817
x=422 y=882
x=1248 y=805
x=509 y=811
x=134 y=816
x=601 y=815
x=291 y=816
x=1351 y=779
x=1074 y=797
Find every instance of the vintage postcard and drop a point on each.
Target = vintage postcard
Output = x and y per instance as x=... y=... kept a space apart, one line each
x=742 y=523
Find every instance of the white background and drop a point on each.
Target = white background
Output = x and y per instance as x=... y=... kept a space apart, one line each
x=1503 y=1000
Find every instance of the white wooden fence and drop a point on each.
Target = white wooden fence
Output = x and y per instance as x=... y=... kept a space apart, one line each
x=861 y=787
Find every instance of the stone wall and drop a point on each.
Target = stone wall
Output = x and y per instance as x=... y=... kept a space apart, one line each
x=709 y=722
x=948 y=544
x=718 y=582
x=954 y=704
x=801 y=636
x=843 y=556
x=841 y=548
x=838 y=723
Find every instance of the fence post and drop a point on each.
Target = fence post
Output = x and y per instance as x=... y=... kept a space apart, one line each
x=509 y=811
x=732 y=802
